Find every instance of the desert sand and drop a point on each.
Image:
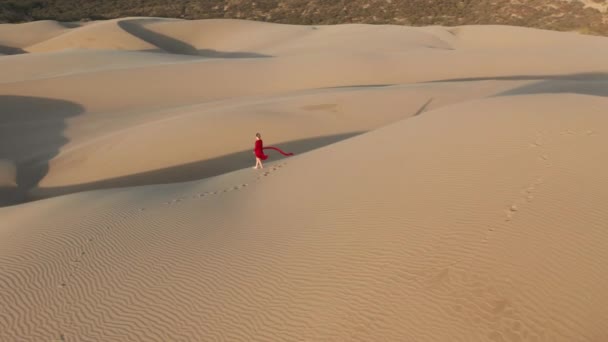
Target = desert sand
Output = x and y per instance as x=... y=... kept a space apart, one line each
x=448 y=183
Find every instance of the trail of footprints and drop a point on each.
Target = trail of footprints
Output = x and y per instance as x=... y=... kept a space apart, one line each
x=77 y=262
x=528 y=193
x=266 y=173
x=527 y=197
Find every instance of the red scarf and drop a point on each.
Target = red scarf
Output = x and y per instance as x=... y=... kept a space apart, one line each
x=259 y=150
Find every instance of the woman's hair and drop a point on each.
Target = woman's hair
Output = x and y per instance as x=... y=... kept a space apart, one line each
x=258 y=135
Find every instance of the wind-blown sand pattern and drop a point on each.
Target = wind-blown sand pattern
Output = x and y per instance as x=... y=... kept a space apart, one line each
x=449 y=184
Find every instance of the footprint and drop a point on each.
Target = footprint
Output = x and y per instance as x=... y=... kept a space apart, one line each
x=511 y=212
x=61 y=338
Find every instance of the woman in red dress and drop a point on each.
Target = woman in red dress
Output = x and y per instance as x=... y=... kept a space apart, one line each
x=259 y=151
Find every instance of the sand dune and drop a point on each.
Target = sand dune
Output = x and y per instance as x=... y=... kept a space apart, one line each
x=509 y=37
x=24 y=35
x=71 y=62
x=448 y=183
x=99 y=35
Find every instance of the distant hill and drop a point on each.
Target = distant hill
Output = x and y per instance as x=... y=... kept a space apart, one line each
x=586 y=16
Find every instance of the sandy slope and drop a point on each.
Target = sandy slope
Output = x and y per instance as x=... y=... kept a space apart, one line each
x=20 y=36
x=128 y=77
x=471 y=209
x=25 y=67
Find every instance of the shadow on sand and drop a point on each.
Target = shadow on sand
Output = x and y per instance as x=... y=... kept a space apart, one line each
x=194 y=171
x=31 y=134
x=595 y=84
x=585 y=76
x=176 y=46
x=7 y=50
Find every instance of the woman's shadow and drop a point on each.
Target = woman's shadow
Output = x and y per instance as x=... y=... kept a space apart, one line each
x=31 y=134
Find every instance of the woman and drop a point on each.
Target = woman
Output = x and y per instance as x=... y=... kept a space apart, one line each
x=259 y=151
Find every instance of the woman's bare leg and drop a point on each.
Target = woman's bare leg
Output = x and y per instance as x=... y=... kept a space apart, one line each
x=258 y=162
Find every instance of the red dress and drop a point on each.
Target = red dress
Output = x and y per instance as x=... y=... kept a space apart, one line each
x=259 y=150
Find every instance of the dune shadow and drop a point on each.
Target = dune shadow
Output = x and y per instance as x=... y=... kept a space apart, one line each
x=195 y=171
x=8 y=50
x=586 y=76
x=554 y=86
x=31 y=134
x=594 y=84
x=175 y=46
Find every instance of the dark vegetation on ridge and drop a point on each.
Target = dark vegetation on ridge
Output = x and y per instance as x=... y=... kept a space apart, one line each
x=561 y=15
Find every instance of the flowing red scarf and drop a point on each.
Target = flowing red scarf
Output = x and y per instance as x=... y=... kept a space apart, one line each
x=259 y=150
